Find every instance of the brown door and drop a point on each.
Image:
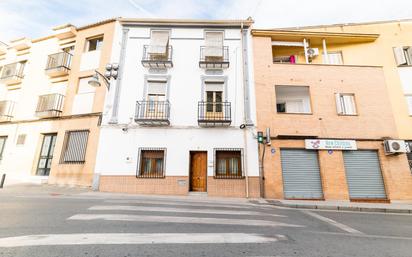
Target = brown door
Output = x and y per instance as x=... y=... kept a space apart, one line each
x=198 y=171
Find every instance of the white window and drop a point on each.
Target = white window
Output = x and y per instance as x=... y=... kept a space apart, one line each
x=84 y=87
x=334 y=58
x=214 y=44
x=403 y=55
x=156 y=95
x=292 y=99
x=94 y=44
x=159 y=42
x=345 y=104
x=409 y=102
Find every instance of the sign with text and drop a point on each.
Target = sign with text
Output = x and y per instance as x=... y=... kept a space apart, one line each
x=325 y=144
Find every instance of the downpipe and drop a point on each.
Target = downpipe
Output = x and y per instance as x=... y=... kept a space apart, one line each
x=3 y=179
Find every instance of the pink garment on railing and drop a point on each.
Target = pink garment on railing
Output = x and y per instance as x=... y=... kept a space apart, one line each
x=292 y=59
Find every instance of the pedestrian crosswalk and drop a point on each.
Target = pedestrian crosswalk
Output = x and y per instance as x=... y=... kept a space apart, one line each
x=244 y=224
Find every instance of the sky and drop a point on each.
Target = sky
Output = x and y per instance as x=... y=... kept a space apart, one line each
x=36 y=18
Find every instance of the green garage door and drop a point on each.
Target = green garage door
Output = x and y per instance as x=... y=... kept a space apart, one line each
x=301 y=176
x=363 y=174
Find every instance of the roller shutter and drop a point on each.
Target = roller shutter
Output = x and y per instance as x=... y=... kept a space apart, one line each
x=301 y=176
x=363 y=174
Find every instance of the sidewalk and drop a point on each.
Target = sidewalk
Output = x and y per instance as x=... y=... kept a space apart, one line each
x=395 y=207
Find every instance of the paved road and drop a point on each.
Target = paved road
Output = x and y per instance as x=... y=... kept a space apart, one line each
x=50 y=221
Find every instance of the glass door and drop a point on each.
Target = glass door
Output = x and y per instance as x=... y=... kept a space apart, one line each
x=46 y=155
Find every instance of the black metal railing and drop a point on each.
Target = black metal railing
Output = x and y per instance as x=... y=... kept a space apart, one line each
x=6 y=110
x=214 y=113
x=159 y=59
x=152 y=112
x=12 y=71
x=50 y=105
x=214 y=57
x=59 y=60
x=410 y=164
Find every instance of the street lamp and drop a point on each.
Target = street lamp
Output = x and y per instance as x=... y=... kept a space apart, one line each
x=111 y=72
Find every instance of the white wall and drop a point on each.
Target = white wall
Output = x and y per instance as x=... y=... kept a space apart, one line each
x=185 y=90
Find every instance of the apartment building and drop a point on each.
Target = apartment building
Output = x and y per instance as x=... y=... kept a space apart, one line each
x=323 y=94
x=49 y=113
x=179 y=118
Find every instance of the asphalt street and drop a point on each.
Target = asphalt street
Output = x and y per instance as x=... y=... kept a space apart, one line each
x=51 y=221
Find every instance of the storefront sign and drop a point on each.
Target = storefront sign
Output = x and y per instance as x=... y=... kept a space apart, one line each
x=321 y=144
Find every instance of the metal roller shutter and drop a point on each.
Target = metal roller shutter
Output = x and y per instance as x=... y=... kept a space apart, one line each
x=363 y=174
x=301 y=176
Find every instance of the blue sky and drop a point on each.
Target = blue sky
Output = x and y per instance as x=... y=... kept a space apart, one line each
x=35 y=18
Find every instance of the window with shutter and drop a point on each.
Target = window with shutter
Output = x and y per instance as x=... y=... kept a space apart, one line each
x=214 y=44
x=159 y=42
x=151 y=163
x=228 y=163
x=335 y=58
x=74 y=147
x=403 y=55
x=292 y=99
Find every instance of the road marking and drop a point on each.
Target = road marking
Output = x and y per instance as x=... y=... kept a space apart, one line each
x=363 y=235
x=172 y=219
x=134 y=238
x=177 y=210
x=194 y=204
x=333 y=222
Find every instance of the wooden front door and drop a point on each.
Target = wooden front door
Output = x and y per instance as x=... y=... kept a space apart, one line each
x=198 y=171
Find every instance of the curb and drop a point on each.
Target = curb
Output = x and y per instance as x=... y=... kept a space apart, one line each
x=338 y=208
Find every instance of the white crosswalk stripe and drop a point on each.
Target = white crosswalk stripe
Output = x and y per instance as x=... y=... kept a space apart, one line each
x=173 y=219
x=134 y=238
x=176 y=210
x=180 y=203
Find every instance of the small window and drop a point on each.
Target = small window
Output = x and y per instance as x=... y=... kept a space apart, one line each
x=334 y=58
x=94 y=44
x=21 y=139
x=2 y=145
x=152 y=163
x=74 y=147
x=345 y=104
x=403 y=55
x=293 y=99
x=159 y=43
x=228 y=163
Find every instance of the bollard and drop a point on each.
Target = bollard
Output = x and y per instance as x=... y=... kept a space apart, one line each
x=3 y=178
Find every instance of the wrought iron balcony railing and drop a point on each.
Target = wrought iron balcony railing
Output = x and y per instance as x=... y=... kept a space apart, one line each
x=212 y=114
x=212 y=57
x=50 y=105
x=6 y=110
x=158 y=58
x=58 y=64
x=153 y=113
x=12 y=73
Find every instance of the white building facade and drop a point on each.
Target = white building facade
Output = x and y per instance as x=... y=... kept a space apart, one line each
x=180 y=116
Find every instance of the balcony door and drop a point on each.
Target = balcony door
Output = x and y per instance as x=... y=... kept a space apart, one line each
x=46 y=154
x=156 y=98
x=214 y=104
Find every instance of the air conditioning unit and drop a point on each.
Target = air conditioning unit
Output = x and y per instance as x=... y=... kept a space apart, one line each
x=312 y=52
x=395 y=146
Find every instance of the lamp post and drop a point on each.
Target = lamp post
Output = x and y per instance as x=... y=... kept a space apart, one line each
x=111 y=72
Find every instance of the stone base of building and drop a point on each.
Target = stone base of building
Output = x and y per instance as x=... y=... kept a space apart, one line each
x=178 y=185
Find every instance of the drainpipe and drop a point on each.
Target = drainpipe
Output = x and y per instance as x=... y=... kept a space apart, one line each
x=246 y=102
x=115 y=110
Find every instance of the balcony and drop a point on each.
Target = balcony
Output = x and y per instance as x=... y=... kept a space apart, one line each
x=153 y=113
x=157 y=60
x=214 y=57
x=12 y=73
x=6 y=110
x=214 y=114
x=58 y=64
x=50 y=105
